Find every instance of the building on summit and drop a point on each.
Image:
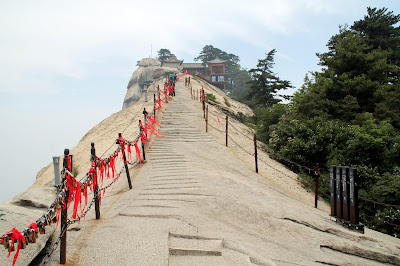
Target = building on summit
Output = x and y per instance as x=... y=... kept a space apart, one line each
x=173 y=62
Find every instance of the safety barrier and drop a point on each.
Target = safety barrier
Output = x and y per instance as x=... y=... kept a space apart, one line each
x=199 y=95
x=71 y=190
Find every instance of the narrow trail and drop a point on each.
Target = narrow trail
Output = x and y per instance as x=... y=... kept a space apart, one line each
x=194 y=202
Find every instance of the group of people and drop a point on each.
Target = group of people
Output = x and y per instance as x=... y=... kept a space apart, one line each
x=187 y=81
x=170 y=84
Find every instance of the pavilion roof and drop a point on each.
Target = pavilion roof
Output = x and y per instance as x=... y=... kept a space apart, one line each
x=217 y=60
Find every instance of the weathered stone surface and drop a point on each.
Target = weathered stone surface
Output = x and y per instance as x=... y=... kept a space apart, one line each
x=149 y=70
x=12 y=216
x=194 y=188
x=146 y=62
x=35 y=197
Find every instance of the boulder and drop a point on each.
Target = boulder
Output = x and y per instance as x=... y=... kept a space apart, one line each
x=35 y=197
x=149 y=69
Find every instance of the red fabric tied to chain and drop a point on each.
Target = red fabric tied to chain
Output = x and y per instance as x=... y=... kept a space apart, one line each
x=152 y=130
x=111 y=159
x=93 y=174
x=78 y=198
x=34 y=227
x=69 y=163
x=15 y=235
x=129 y=153
x=85 y=194
x=143 y=138
x=70 y=188
x=121 y=142
x=113 y=166
x=149 y=126
x=159 y=102
x=58 y=213
x=138 y=153
x=153 y=120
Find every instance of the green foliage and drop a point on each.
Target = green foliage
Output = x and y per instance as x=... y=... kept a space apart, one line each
x=164 y=54
x=242 y=118
x=238 y=87
x=210 y=52
x=211 y=98
x=378 y=27
x=387 y=188
x=346 y=114
x=266 y=117
x=227 y=102
x=361 y=73
x=372 y=144
x=265 y=84
x=311 y=141
x=383 y=221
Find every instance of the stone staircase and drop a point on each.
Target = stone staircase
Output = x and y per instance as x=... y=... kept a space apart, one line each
x=175 y=183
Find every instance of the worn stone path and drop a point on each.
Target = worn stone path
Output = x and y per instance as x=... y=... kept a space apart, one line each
x=195 y=203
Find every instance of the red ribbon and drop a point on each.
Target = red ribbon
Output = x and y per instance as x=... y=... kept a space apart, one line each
x=34 y=227
x=129 y=153
x=77 y=199
x=70 y=188
x=69 y=163
x=15 y=235
x=138 y=153
x=57 y=216
x=93 y=174
x=218 y=120
x=111 y=159
x=153 y=120
x=85 y=194
x=152 y=130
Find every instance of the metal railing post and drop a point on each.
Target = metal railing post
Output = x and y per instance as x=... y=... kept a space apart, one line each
x=226 y=132
x=207 y=120
x=255 y=152
x=96 y=188
x=125 y=164
x=64 y=211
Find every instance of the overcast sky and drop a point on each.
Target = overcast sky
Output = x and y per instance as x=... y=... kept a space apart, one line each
x=65 y=65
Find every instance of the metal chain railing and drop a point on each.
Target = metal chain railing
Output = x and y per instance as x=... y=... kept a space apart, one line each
x=53 y=211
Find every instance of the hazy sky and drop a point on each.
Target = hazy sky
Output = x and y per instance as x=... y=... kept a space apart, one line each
x=65 y=65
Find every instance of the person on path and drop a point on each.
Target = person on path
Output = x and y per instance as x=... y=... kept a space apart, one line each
x=145 y=112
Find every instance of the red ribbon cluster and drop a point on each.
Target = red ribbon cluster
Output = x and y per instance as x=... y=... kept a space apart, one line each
x=15 y=237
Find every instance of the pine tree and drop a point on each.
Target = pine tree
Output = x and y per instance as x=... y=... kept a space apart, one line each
x=265 y=84
x=164 y=54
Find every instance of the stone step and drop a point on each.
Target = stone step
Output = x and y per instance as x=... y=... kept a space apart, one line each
x=196 y=260
x=232 y=257
x=188 y=245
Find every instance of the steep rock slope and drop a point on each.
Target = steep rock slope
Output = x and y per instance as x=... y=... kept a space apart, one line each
x=197 y=202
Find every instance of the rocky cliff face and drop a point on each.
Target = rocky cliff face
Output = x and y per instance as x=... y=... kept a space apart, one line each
x=149 y=70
